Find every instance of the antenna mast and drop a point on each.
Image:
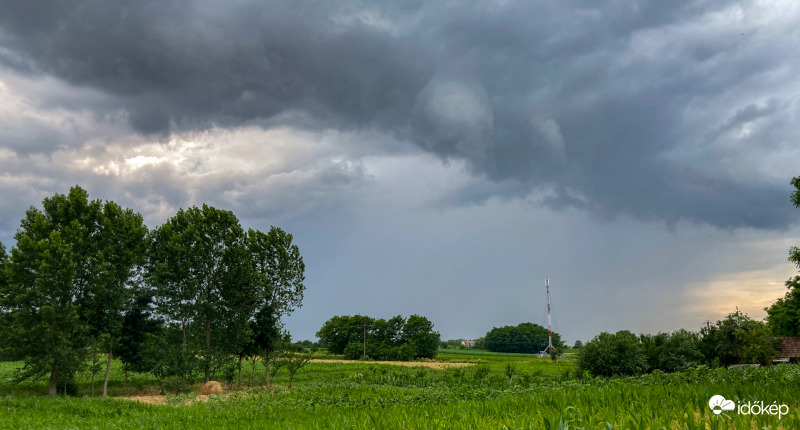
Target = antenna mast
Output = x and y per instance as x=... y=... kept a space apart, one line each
x=549 y=349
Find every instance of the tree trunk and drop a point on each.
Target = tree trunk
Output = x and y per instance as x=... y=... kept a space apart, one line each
x=125 y=382
x=53 y=388
x=266 y=369
x=183 y=329
x=94 y=363
x=208 y=348
x=239 y=382
x=108 y=367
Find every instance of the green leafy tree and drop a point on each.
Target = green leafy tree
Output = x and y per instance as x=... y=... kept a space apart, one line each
x=67 y=280
x=783 y=317
x=3 y=259
x=138 y=323
x=43 y=327
x=524 y=338
x=737 y=339
x=392 y=339
x=613 y=354
x=340 y=331
x=278 y=269
x=267 y=337
x=278 y=273
x=672 y=352
x=201 y=272
x=418 y=332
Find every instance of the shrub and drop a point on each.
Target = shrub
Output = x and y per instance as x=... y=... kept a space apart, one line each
x=613 y=354
x=176 y=384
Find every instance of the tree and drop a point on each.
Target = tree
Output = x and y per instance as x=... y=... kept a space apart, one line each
x=120 y=250
x=137 y=324
x=783 y=317
x=613 y=354
x=524 y=338
x=339 y=332
x=266 y=336
x=40 y=303
x=418 y=332
x=737 y=339
x=278 y=269
x=672 y=352
x=392 y=339
x=201 y=272
x=278 y=273
x=3 y=259
x=67 y=280
x=578 y=344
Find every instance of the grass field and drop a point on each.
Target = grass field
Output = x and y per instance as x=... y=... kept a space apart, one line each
x=539 y=394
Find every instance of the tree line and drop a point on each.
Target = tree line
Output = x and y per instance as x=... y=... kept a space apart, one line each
x=736 y=339
x=182 y=300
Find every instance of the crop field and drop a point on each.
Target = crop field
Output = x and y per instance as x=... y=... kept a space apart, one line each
x=496 y=392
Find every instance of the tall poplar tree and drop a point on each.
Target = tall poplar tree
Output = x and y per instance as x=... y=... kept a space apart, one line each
x=200 y=271
x=67 y=279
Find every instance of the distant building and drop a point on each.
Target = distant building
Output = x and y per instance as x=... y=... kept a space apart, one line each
x=468 y=343
x=790 y=351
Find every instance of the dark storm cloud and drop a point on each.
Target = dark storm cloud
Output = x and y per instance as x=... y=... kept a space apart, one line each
x=602 y=107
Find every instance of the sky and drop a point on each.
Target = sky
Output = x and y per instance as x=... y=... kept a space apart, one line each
x=438 y=158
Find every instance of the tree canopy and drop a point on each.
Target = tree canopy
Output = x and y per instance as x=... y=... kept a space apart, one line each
x=393 y=339
x=67 y=281
x=783 y=316
x=526 y=338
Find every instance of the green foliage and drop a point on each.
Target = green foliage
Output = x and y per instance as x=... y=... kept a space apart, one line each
x=672 y=352
x=480 y=371
x=392 y=339
x=66 y=281
x=737 y=339
x=399 y=400
x=3 y=278
x=524 y=338
x=278 y=269
x=340 y=331
x=418 y=332
x=163 y=355
x=201 y=272
x=613 y=354
x=175 y=384
x=783 y=317
x=137 y=324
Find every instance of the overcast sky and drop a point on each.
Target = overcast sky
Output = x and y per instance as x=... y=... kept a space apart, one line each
x=440 y=158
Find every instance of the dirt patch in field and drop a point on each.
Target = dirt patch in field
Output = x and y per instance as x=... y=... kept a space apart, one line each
x=162 y=400
x=429 y=364
x=153 y=400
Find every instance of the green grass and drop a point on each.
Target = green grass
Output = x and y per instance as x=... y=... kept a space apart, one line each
x=369 y=395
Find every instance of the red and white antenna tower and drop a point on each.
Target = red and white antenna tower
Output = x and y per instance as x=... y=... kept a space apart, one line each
x=549 y=348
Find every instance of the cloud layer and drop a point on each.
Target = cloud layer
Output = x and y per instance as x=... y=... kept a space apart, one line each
x=656 y=111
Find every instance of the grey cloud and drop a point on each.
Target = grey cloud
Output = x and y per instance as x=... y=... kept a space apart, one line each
x=581 y=100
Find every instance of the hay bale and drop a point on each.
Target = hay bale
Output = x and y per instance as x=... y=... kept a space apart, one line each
x=211 y=387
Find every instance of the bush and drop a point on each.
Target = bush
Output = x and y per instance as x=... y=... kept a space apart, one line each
x=613 y=354
x=480 y=371
x=175 y=384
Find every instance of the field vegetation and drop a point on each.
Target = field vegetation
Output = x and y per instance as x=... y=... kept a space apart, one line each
x=496 y=391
